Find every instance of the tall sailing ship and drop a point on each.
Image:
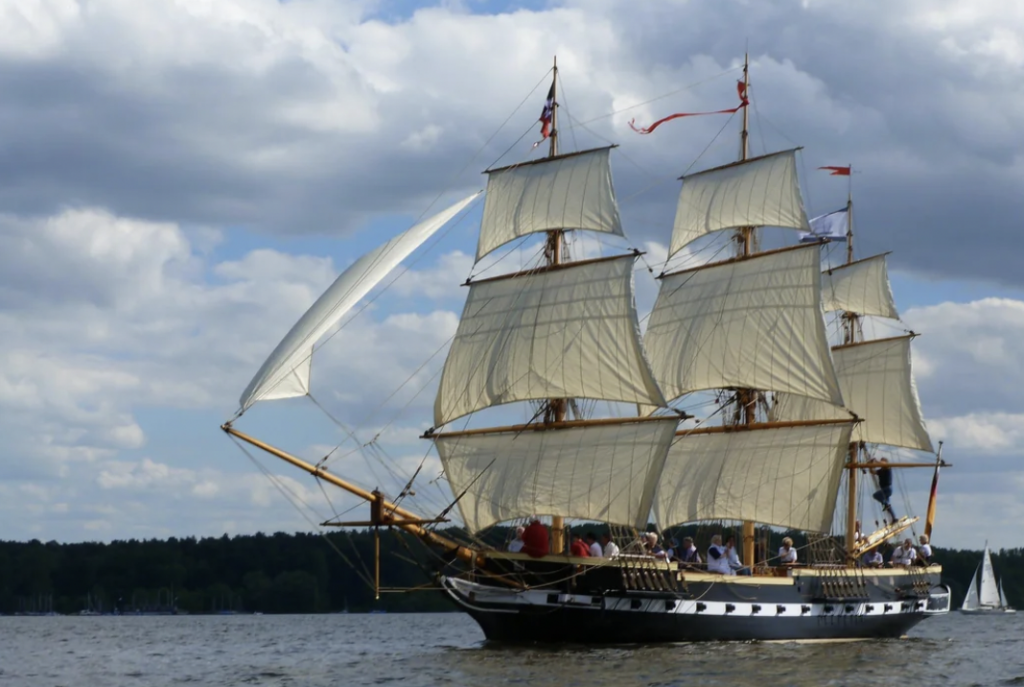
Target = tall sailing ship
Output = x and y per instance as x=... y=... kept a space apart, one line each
x=793 y=421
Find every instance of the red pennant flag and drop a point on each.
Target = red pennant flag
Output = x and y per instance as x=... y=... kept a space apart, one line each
x=837 y=171
x=741 y=90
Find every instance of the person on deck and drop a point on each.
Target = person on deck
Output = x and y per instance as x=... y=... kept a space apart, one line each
x=535 y=539
x=687 y=554
x=609 y=549
x=652 y=547
x=924 y=552
x=718 y=557
x=592 y=546
x=516 y=545
x=904 y=555
x=787 y=554
x=671 y=546
x=735 y=564
x=884 y=493
x=873 y=559
x=579 y=547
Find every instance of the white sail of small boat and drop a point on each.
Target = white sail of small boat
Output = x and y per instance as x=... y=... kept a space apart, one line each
x=971 y=600
x=985 y=594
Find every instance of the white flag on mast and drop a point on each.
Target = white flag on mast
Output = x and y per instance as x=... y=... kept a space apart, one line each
x=831 y=226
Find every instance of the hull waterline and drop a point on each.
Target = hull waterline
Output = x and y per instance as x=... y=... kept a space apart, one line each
x=718 y=612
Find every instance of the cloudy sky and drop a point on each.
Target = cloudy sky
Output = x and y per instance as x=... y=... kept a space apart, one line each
x=182 y=178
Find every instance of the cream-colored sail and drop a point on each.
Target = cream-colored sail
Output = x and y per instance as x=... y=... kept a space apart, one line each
x=877 y=381
x=784 y=476
x=566 y=332
x=571 y=191
x=285 y=374
x=759 y=192
x=599 y=472
x=860 y=287
x=754 y=323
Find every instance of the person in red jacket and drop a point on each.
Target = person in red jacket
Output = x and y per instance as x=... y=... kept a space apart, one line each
x=535 y=539
x=579 y=547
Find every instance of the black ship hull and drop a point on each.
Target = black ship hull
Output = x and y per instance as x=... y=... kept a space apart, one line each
x=710 y=608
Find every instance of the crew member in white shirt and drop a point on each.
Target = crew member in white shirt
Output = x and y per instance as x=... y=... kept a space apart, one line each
x=787 y=554
x=718 y=557
x=904 y=555
x=595 y=548
x=609 y=549
x=734 y=558
x=924 y=552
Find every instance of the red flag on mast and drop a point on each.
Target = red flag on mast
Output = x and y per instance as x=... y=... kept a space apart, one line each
x=838 y=171
x=741 y=90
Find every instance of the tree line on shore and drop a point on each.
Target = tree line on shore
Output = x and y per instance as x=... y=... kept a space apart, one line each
x=282 y=573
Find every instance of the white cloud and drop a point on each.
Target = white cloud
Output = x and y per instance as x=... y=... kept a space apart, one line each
x=132 y=312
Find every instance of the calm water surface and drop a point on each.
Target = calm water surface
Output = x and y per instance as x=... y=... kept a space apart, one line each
x=448 y=649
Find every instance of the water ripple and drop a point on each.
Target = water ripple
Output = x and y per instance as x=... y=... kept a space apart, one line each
x=449 y=650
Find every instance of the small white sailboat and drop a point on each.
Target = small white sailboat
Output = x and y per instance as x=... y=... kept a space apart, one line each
x=986 y=596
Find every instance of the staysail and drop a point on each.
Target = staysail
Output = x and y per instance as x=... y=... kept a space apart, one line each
x=568 y=331
x=285 y=374
x=748 y=323
x=572 y=191
x=759 y=192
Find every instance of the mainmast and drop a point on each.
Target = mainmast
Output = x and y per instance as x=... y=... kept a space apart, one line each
x=556 y=407
x=851 y=324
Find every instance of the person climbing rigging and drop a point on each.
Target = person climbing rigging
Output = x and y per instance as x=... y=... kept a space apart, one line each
x=884 y=493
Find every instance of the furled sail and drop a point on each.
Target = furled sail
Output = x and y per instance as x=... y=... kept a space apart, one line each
x=877 y=384
x=786 y=476
x=571 y=191
x=604 y=472
x=751 y=323
x=759 y=192
x=861 y=287
x=569 y=331
x=285 y=374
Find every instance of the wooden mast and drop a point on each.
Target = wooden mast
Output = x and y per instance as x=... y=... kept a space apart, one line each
x=850 y=326
x=746 y=398
x=556 y=410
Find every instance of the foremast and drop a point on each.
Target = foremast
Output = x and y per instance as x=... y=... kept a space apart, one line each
x=562 y=331
x=746 y=399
